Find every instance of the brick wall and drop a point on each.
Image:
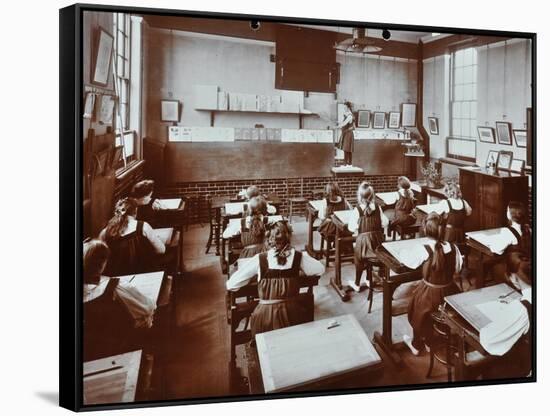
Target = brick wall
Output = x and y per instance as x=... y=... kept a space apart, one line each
x=124 y=186
x=204 y=190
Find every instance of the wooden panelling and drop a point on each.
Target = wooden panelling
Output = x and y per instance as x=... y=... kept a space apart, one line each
x=380 y=157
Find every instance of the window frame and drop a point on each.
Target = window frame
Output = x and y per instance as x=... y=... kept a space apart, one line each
x=472 y=135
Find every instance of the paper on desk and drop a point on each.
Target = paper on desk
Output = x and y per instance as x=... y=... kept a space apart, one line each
x=428 y=208
x=496 y=240
x=171 y=203
x=416 y=187
x=389 y=198
x=509 y=321
x=410 y=253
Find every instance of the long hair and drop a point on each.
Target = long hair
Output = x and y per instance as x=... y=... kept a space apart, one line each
x=404 y=183
x=365 y=195
x=252 y=191
x=257 y=207
x=452 y=190
x=518 y=214
x=432 y=229
x=124 y=208
x=333 y=191
x=95 y=255
x=279 y=239
x=143 y=188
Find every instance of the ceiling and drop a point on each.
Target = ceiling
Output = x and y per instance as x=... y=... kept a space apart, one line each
x=400 y=35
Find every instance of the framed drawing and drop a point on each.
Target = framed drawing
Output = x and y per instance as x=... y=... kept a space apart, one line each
x=517 y=165
x=504 y=159
x=520 y=136
x=486 y=134
x=379 y=120
x=408 y=114
x=363 y=118
x=492 y=158
x=89 y=105
x=394 y=119
x=170 y=110
x=504 y=132
x=433 y=124
x=103 y=56
x=122 y=354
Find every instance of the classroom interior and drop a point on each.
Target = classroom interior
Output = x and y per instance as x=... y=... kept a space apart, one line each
x=208 y=107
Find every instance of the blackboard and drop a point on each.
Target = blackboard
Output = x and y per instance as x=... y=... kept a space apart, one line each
x=194 y=162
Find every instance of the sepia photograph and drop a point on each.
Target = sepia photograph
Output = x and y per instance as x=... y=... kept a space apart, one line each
x=248 y=232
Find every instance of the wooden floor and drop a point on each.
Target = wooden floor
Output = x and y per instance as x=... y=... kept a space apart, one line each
x=197 y=360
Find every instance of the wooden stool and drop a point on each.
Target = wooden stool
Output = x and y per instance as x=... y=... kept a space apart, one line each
x=215 y=228
x=370 y=263
x=295 y=200
x=192 y=210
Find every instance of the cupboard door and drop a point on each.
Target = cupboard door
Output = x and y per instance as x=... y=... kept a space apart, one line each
x=491 y=203
x=469 y=193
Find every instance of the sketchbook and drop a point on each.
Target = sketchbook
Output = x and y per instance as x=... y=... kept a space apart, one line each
x=480 y=307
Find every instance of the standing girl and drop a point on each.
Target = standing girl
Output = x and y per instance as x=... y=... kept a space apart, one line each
x=346 y=138
x=369 y=221
x=443 y=261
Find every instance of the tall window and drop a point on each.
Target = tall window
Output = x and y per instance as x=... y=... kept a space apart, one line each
x=124 y=137
x=464 y=94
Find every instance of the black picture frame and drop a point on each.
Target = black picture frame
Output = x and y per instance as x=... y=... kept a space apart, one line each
x=408 y=114
x=433 y=125
x=520 y=137
x=486 y=134
x=363 y=118
x=504 y=132
x=394 y=119
x=379 y=120
x=103 y=56
x=492 y=157
x=71 y=213
x=504 y=159
x=170 y=111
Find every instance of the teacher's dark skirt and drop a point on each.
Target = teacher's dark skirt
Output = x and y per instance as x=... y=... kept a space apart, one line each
x=346 y=141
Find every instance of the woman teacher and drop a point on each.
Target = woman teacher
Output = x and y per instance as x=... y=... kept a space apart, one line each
x=346 y=137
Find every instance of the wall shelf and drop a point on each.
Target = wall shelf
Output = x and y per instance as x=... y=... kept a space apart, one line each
x=279 y=113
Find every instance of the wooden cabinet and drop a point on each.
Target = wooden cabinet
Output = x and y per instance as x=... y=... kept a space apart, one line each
x=489 y=196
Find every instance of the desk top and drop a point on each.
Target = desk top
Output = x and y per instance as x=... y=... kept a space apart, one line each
x=410 y=253
x=148 y=284
x=270 y=219
x=317 y=204
x=218 y=202
x=301 y=354
x=234 y=208
x=388 y=198
x=343 y=216
x=493 y=241
x=415 y=186
x=171 y=203
x=112 y=384
x=164 y=234
x=428 y=208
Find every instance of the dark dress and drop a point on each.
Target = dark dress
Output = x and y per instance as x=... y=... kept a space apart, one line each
x=252 y=245
x=518 y=256
x=278 y=290
x=429 y=294
x=403 y=211
x=327 y=227
x=454 y=229
x=370 y=235
x=346 y=138
x=146 y=212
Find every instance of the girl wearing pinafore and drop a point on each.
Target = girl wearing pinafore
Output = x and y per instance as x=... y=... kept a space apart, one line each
x=455 y=210
x=518 y=255
x=369 y=221
x=346 y=138
x=405 y=204
x=444 y=260
x=334 y=201
x=278 y=272
x=133 y=244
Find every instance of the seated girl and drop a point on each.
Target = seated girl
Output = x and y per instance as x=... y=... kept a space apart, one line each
x=251 y=228
x=334 y=201
x=142 y=193
x=518 y=255
x=368 y=220
x=252 y=192
x=444 y=260
x=278 y=272
x=134 y=245
x=454 y=210
x=405 y=204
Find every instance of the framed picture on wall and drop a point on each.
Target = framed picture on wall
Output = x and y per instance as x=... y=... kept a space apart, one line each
x=504 y=132
x=169 y=110
x=394 y=119
x=492 y=158
x=520 y=136
x=379 y=120
x=408 y=111
x=433 y=125
x=89 y=104
x=504 y=159
x=363 y=118
x=102 y=63
x=486 y=134
x=517 y=165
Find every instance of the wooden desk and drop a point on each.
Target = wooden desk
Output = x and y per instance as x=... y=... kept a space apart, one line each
x=485 y=255
x=387 y=199
x=112 y=379
x=149 y=284
x=311 y=356
x=312 y=212
x=340 y=220
x=426 y=193
x=422 y=211
x=390 y=282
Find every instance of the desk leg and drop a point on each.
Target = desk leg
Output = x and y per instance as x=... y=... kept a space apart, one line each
x=459 y=365
x=480 y=277
x=384 y=340
x=181 y=266
x=309 y=246
x=336 y=282
x=223 y=260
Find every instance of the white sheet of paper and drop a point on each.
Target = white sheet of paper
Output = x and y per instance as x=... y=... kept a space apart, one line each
x=428 y=208
x=389 y=198
x=171 y=203
x=411 y=253
x=496 y=239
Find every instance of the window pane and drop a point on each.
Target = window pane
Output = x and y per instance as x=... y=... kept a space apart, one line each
x=121 y=21
x=120 y=43
x=468 y=74
x=129 y=144
x=466 y=109
x=474 y=56
x=465 y=130
x=468 y=56
x=473 y=109
x=473 y=129
x=458 y=93
x=120 y=66
x=459 y=58
x=467 y=92
x=459 y=76
x=457 y=113
x=456 y=127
